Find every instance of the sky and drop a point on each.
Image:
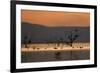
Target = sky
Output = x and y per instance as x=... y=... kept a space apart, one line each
x=53 y=18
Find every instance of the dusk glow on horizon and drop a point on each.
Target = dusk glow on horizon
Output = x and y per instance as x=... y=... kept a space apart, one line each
x=54 y=18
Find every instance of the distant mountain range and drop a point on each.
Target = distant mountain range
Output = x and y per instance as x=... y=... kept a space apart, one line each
x=40 y=34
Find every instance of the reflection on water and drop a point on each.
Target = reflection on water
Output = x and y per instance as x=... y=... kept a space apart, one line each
x=54 y=56
x=52 y=52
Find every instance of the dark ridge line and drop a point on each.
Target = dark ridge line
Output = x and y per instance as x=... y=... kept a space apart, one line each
x=55 y=26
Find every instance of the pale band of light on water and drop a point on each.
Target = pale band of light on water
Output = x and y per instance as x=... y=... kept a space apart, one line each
x=51 y=47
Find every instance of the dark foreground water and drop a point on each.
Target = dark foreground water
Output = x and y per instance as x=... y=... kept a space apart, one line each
x=54 y=56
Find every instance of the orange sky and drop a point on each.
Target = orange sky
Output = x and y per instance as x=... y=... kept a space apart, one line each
x=50 y=18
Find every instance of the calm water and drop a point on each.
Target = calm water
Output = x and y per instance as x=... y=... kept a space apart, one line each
x=44 y=56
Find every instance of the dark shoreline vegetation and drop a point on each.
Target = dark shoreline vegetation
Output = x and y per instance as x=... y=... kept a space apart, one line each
x=35 y=33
